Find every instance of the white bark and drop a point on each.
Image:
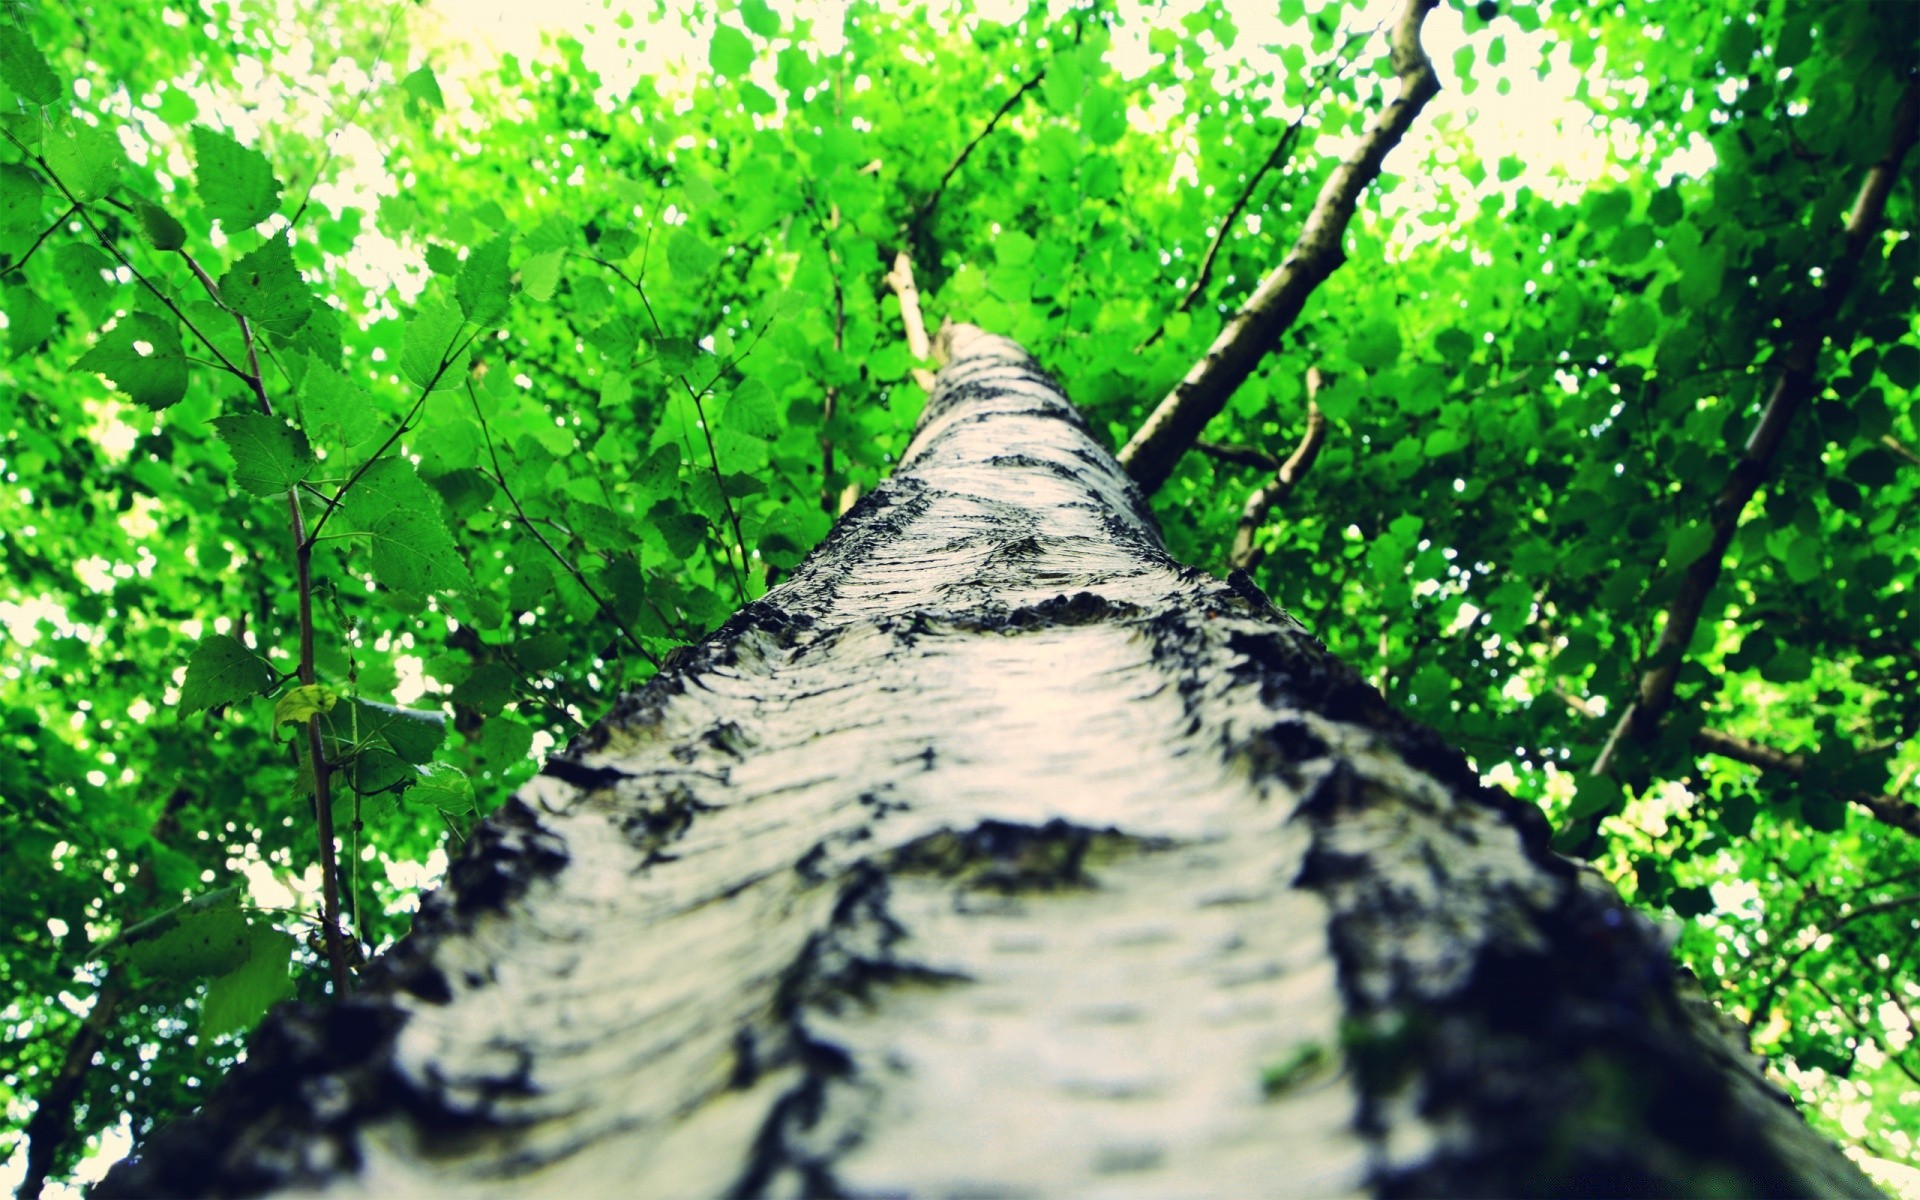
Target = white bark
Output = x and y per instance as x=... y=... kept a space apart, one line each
x=997 y=853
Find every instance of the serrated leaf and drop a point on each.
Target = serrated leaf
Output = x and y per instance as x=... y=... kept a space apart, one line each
x=688 y=256
x=222 y=670
x=334 y=410
x=22 y=197
x=540 y=274
x=235 y=182
x=485 y=284
x=86 y=159
x=29 y=320
x=430 y=338
x=304 y=702
x=25 y=69
x=730 y=53
x=266 y=288
x=412 y=549
x=156 y=376
x=446 y=787
x=237 y=1000
x=158 y=226
x=751 y=410
x=269 y=456
x=658 y=475
x=413 y=734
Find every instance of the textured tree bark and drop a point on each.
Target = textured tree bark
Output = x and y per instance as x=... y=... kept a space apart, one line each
x=998 y=853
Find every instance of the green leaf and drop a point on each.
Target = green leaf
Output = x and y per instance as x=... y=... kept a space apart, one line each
x=730 y=53
x=1901 y=365
x=199 y=942
x=688 y=256
x=222 y=670
x=1595 y=795
x=269 y=456
x=540 y=274
x=412 y=549
x=1687 y=543
x=413 y=734
x=1375 y=345
x=158 y=226
x=29 y=320
x=266 y=288
x=751 y=410
x=304 y=702
x=485 y=282
x=334 y=410
x=1103 y=115
x=24 y=69
x=446 y=787
x=143 y=357
x=236 y=1001
x=428 y=357
x=422 y=87
x=235 y=182
x=85 y=158
x=1804 y=561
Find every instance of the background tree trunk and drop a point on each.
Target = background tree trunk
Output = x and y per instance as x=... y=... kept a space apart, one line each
x=996 y=852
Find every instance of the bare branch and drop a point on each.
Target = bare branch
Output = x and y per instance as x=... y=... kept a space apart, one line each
x=1177 y=422
x=1282 y=150
x=1246 y=553
x=1791 y=388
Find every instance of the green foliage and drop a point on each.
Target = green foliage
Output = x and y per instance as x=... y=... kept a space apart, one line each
x=1542 y=375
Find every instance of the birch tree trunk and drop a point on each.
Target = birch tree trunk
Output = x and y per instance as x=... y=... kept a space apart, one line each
x=996 y=853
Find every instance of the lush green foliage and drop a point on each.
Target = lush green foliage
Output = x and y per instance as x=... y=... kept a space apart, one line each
x=637 y=345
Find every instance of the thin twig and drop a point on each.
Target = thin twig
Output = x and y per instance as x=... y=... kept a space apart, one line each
x=46 y=233
x=500 y=477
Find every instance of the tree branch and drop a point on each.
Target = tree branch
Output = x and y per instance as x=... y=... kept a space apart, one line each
x=1177 y=422
x=1282 y=150
x=1791 y=388
x=1246 y=553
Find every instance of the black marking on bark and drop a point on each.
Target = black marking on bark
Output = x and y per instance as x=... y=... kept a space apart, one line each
x=582 y=776
x=661 y=818
x=847 y=962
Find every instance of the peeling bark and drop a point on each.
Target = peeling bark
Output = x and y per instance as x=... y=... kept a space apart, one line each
x=997 y=853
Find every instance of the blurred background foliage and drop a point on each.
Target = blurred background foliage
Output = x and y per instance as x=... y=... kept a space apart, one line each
x=594 y=320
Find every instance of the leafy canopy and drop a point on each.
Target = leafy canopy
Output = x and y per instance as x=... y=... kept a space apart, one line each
x=559 y=363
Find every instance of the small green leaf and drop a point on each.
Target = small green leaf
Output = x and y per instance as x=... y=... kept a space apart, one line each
x=731 y=52
x=266 y=288
x=237 y=1000
x=303 y=702
x=485 y=282
x=269 y=456
x=412 y=549
x=29 y=321
x=540 y=274
x=157 y=224
x=446 y=787
x=222 y=670
x=1688 y=543
x=85 y=158
x=422 y=87
x=24 y=69
x=1804 y=560
x=431 y=338
x=235 y=182
x=688 y=256
x=156 y=376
